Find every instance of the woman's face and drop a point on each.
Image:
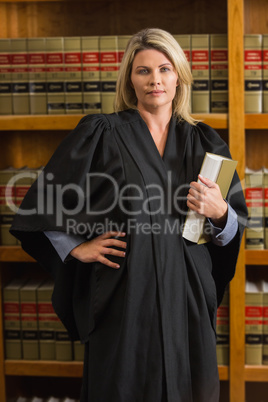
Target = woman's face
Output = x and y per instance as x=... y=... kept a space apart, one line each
x=154 y=80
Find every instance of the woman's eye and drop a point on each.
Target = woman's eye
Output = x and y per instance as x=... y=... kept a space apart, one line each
x=143 y=71
x=164 y=69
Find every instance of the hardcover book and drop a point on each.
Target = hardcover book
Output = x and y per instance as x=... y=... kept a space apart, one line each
x=73 y=75
x=37 y=75
x=20 y=76
x=253 y=322
x=7 y=200
x=265 y=73
x=219 y=73
x=220 y=170
x=29 y=319
x=12 y=320
x=91 y=74
x=46 y=321
x=5 y=77
x=109 y=71
x=255 y=204
x=253 y=73
x=265 y=189
x=55 y=76
x=265 y=323
x=200 y=72
x=63 y=345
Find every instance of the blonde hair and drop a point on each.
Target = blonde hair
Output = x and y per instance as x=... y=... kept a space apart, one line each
x=155 y=38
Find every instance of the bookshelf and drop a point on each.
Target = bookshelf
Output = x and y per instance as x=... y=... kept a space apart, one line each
x=33 y=138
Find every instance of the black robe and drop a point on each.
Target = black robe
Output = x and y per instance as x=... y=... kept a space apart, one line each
x=149 y=326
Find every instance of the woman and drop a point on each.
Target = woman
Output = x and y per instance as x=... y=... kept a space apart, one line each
x=105 y=219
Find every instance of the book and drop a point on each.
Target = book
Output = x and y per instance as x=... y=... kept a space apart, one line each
x=265 y=195
x=20 y=76
x=29 y=319
x=73 y=75
x=219 y=73
x=253 y=73
x=253 y=322
x=265 y=323
x=255 y=204
x=37 y=75
x=5 y=77
x=7 y=205
x=122 y=44
x=79 y=350
x=91 y=74
x=55 y=76
x=200 y=72
x=12 y=320
x=46 y=321
x=109 y=71
x=265 y=73
x=185 y=43
x=63 y=345
x=220 y=170
x=24 y=179
x=222 y=330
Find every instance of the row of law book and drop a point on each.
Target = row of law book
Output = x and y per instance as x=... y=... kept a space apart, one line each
x=32 y=330
x=222 y=331
x=256 y=194
x=73 y=75
x=41 y=399
x=14 y=184
x=256 y=322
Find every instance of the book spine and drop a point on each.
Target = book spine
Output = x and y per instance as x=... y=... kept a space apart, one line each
x=37 y=75
x=7 y=197
x=122 y=44
x=55 y=76
x=265 y=329
x=265 y=190
x=200 y=72
x=91 y=74
x=79 y=350
x=254 y=201
x=63 y=346
x=5 y=77
x=219 y=73
x=29 y=322
x=20 y=76
x=73 y=75
x=253 y=73
x=185 y=43
x=46 y=324
x=22 y=185
x=12 y=322
x=222 y=330
x=253 y=328
x=109 y=71
x=265 y=73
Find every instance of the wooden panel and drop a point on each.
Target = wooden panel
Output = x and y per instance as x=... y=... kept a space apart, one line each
x=256 y=16
x=257 y=121
x=64 y=18
x=237 y=147
x=257 y=148
x=256 y=257
x=256 y=373
x=43 y=368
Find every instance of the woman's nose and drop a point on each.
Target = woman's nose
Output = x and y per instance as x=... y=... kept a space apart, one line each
x=155 y=78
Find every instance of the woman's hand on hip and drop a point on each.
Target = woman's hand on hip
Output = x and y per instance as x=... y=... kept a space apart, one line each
x=97 y=249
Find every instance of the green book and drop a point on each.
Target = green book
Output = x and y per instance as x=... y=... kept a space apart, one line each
x=29 y=319
x=220 y=170
x=200 y=72
x=109 y=71
x=20 y=76
x=91 y=74
x=219 y=73
x=5 y=77
x=37 y=75
x=12 y=319
x=64 y=346
x=46 y=321
x=55 y=76
x=73 y=75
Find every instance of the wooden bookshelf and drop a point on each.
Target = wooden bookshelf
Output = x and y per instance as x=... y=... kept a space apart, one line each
x=256 y=121
x=68 y=122
x=256 y=373
x=43 y=368
x=14 y=254
x=256 y=257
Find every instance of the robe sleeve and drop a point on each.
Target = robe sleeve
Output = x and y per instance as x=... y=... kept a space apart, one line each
x=205 y=139
x=75 y=193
